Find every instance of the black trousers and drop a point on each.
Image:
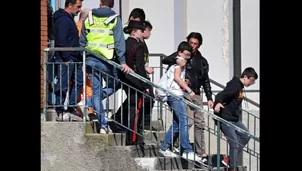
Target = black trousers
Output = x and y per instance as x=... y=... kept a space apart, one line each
x=131 y=118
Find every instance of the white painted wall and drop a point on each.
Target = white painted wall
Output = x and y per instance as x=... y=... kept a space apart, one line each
x=250 y=41
x=161 y=15
x=206 y=17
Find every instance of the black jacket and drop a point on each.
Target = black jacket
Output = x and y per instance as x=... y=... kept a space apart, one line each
x=197 y=69
x=135 y=60
x=231 y=98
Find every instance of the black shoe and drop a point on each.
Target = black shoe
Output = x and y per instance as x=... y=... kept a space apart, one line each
x=204 y=159
x=92 y=116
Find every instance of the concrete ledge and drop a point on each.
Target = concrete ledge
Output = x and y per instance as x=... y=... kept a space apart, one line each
x=115 y=139
x=64 y=146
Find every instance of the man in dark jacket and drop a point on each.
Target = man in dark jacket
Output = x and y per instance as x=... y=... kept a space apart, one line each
x=197 y=69
x=227 y=103
x=66 y=35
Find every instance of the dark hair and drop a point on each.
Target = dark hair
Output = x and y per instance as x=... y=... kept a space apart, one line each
x=249 y=72
x=67 y=2
x=138 y=13
x=108 y=3
x=195 y=35
x=50 y=25
x=184 y=46
x=134 y=25
x=148 y=25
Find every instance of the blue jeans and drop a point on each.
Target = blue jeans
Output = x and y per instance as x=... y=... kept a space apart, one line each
x=89 y=102
x=68 y=72
x=236 y=140
x=180 y=123
x=94 y=68
x=51 y=76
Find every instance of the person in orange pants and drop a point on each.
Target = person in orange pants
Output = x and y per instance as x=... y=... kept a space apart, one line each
x=91 y=113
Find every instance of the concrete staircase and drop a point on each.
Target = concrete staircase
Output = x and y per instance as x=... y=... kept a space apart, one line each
x=78 y=146
x=148 y=156
x=70 y=146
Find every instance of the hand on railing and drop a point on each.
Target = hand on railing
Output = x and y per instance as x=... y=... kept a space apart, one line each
x=210 y=104
x=126 y=68
x=150 y=70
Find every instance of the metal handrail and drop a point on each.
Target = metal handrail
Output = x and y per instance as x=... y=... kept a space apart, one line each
x=245 y=91
x=156 y=86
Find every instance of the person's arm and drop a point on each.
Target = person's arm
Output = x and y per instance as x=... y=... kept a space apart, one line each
x=139 y=62
x=170 y=60
x=179 y=81
x=227 y=94
x=140 y=66
x=119 y=41
x=207 y=87
x=83 y=39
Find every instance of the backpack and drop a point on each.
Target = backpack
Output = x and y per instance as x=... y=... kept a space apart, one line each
x=165 y=82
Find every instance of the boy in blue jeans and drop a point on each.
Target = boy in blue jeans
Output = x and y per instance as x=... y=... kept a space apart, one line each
x=226 y=105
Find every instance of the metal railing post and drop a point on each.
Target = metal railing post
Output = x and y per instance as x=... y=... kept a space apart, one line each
x=84 y=86
x=161 y=74
x=44 y=86
x=218 y=145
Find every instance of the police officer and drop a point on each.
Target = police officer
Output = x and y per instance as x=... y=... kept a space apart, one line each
x=102 y=32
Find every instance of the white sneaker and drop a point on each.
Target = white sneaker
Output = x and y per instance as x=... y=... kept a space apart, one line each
x=176 y=150
x=167 y=153
x=65 y=117
x=105 y=130
x=191 y=156
x=74 y=117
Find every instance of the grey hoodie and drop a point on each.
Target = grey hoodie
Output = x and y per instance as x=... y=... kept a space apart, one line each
x=118 y=34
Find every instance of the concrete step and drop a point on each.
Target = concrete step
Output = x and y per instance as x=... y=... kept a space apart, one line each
x=171 y=163
x=64 y=146
x=119 y=139
x=213 y=169
x=163 y=163
x=144 y=151
x=115 y=139
x=154 y=136
x=148 y=155
x=179 y=163
x=175 y=163
x=158 y=125
x=151 y=137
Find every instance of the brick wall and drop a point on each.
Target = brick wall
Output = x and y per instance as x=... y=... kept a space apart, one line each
x=43 y=40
